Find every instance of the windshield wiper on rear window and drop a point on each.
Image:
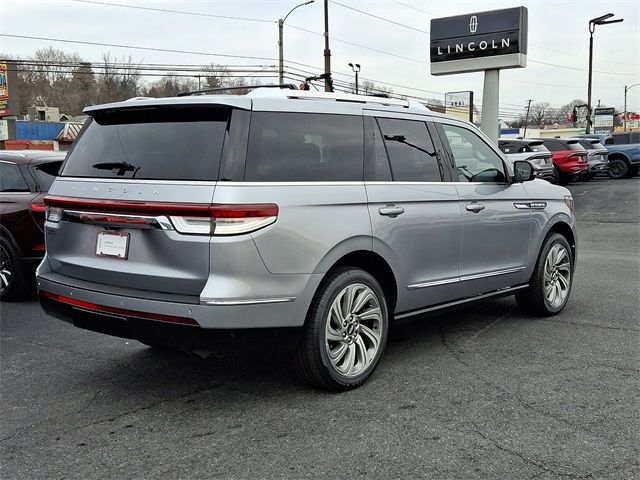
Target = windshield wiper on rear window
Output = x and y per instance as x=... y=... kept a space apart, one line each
x=122 y=167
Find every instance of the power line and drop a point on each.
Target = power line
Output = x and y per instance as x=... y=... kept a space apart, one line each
x=413 y=8
x=582 y=69
x=378 y=17
x=133 y=47
x=181 y=12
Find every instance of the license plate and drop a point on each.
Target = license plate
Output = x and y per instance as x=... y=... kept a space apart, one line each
x=112 y=244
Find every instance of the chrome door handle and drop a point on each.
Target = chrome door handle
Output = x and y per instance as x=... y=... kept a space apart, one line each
x=391 y=211
x=475 y=207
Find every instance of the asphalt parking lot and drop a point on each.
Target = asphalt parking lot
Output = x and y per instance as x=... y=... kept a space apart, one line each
x=483 y=392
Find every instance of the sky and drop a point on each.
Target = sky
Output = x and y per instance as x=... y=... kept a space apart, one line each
x=388 y=38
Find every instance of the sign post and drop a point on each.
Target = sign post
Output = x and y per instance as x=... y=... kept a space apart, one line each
x=484 y=41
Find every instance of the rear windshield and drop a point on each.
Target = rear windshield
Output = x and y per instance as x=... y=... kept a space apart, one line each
x=537 y=148
x=574 y=146
x=554 y=145
x=158 y=143
x=589 y=145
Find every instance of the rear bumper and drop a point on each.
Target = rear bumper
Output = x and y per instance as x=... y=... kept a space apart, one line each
x=97 y=300
x=186 y=337
x=598 y=166
x=544 y=173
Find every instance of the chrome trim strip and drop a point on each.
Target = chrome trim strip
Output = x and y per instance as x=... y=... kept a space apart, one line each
x=503 y=291
x=477 y=276
x=18 y=193
x=112 y=181
x=522 y=206
x=248 y=301
x=435 y=283
x=160 y=222
x=290 y=184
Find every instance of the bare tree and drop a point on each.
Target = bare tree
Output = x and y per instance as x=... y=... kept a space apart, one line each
x=171 y=85
x=538 y=113
x=119 y=79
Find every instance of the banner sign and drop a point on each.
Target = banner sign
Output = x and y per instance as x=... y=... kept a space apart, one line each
x=4 y=91
x=603 y=120
x=459 y=105
x=479 y=41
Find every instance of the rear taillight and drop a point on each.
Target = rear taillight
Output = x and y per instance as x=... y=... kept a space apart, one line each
x=228 y=220
x=186 y=218
x=38 y=207
x=581 y=156
x=54 y=214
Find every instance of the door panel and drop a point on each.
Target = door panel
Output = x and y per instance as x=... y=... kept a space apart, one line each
x=417 y=223
x=495 y=239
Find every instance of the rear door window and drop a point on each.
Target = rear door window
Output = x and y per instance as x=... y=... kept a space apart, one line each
x=156 y=143
x=11 y=179
x=412 y=155
x=304 y=147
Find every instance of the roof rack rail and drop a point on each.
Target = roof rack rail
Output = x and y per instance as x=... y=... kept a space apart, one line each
x=286 y=86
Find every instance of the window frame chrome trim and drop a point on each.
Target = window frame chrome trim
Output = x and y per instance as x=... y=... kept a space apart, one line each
x=247 y=301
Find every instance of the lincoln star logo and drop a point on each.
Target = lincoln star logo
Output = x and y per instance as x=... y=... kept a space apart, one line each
x=473 y=24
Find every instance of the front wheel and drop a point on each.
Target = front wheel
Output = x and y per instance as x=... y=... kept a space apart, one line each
x=551 y=281
x=345 y=331
x=618 y=168
x=12 y=277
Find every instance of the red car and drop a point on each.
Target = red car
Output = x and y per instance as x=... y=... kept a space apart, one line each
x=569 y=159
x=25 y=178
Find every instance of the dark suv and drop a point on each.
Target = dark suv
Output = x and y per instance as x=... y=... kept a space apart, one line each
x=25 y=177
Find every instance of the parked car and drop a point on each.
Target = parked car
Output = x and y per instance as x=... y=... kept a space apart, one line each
x=624 y=153
x=596 y=157
x=532 y=151
x=192 y=220
x=569 y=159
x=25 y=177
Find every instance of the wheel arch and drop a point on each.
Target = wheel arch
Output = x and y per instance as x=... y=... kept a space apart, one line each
x=374 y=264
x=619 y=156
x=563 y=228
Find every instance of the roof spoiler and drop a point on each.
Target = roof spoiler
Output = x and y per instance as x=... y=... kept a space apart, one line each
x=208 y=91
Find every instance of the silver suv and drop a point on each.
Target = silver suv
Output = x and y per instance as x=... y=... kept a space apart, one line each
x=199 y=221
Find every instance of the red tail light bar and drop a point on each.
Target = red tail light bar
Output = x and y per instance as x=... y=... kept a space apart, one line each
x=38 y=207
x=189 y=218
x=118 y=311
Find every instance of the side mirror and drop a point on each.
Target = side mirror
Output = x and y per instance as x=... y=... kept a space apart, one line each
x=523 y=171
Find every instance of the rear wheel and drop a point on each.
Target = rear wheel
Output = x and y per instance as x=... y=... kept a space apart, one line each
x=345 y=331
x=551 y=281
x=12 y=279
x=618 y=168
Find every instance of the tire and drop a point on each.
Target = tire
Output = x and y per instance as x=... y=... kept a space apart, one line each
x=340 y=348
x=618 y=168
x=635 y=170
x=588 y=176
x=545 y=296
x=561 y=180
x=12 y=277
x=556 y=175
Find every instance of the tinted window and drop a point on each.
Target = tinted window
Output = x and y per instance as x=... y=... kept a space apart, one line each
x=536 y=148
x=573 y=146
x=165 y=143
x=11 y=179
x=298 y=147
x=377 y=162
x=46 y=174
x=475 y=160
x=554 y=145
x=411 y=152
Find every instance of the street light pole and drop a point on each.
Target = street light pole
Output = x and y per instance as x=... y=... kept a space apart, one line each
x=624 y=118
x=603 y=20
x=327 y=52
x=281 y=41
x=355 y=69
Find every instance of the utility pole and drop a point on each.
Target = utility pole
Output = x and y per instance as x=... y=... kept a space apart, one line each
x=626 y=89
x=526 y=118
x=327 y=52
x=281 y=41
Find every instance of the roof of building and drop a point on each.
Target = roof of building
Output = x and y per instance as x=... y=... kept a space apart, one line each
x=69 y=132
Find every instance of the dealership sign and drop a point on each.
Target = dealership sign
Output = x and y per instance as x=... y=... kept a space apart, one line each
x=603 y=120
x=479 y=41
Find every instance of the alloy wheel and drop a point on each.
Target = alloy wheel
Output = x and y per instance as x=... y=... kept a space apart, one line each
x=5 y=269
x=353 y=330
x=557 y=275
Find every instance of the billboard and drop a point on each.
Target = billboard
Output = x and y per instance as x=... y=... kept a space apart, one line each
x=459 y=105
x=603 y=120
x=479 y=41
x=4 y=90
